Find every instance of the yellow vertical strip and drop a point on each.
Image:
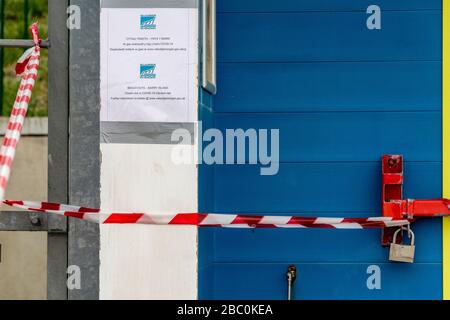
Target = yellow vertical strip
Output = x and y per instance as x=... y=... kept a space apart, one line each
x=446 y=141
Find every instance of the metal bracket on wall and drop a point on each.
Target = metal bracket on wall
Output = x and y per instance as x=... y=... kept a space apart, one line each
x=18 y=221
x=393 y=204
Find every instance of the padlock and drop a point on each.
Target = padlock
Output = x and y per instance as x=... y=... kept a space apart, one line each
x=402 y=252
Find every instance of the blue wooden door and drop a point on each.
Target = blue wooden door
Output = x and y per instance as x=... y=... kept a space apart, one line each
x=342 y=96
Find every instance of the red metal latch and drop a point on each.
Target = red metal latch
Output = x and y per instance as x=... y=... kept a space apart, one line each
x=392 y=198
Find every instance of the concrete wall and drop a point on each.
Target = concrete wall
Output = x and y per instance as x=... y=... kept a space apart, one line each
x=29 y=173
x=23 y=255
x=23 y=265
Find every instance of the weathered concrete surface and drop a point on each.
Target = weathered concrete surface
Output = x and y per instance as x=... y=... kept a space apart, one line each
x=29 y=173
x=23 y=266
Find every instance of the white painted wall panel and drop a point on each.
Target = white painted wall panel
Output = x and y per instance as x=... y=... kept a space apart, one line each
x=147 y=262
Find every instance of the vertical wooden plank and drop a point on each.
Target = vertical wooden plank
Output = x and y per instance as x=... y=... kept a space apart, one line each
x=446 y=141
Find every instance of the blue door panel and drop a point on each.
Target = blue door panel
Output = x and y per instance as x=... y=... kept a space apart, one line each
x=328 y=36
x=331 y=187
x=344 y=136
x=325 y=246
x=327 y=281
x=206 y=286
x=345 y=86
x=341 y=96
x=323 y=5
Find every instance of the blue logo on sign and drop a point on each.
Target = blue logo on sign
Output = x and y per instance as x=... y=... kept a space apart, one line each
x=148 y=22
x=148 y=71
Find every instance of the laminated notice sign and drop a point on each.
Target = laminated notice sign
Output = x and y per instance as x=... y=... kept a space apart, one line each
x=149 y=64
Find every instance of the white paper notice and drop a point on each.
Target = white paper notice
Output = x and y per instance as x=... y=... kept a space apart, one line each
x=149 y=65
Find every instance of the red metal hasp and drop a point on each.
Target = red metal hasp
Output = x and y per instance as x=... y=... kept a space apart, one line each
x=393 y=204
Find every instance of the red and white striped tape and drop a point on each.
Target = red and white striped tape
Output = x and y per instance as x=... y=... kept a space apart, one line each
x=27 y=67
x=207 y=219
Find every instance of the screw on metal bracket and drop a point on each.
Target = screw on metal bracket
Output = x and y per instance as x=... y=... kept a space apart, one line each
x=392 y=162
x=34 y=219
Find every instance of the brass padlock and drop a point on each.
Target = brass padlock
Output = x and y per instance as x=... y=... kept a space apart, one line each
x=402 y=252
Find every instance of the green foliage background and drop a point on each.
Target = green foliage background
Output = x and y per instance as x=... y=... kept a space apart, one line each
x=14 y=29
